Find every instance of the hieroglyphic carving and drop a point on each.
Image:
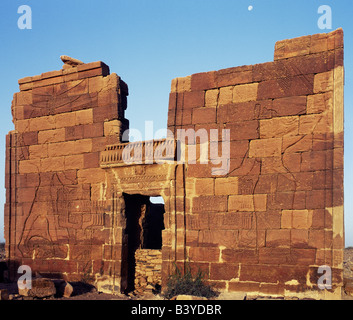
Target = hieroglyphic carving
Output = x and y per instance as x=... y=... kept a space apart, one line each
x=58 y=219
x=62 y=99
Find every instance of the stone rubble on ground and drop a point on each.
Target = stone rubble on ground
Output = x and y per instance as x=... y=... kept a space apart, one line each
x=39 y=288
x=65 y=289
x=4 y=295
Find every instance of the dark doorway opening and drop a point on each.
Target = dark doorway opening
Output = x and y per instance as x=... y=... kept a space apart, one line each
x=144 y=225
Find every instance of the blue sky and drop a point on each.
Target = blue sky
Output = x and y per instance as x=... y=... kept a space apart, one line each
x=148 y=43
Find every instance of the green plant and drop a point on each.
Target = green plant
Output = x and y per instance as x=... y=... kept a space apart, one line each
x=86 y=276
x=187 y=283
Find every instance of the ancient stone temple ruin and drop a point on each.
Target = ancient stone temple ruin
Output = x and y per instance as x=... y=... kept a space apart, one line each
x=262 y=217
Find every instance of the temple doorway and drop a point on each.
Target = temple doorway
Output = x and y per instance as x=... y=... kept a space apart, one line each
x=143 y=235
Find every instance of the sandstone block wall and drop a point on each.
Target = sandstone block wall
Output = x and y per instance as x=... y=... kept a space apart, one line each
x=277 y=215
x=55 y=212
x=265 y=225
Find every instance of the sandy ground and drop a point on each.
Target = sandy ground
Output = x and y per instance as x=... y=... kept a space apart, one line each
x=85 y=292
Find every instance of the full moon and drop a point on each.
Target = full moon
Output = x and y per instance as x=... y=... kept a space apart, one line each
x=250 y=8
